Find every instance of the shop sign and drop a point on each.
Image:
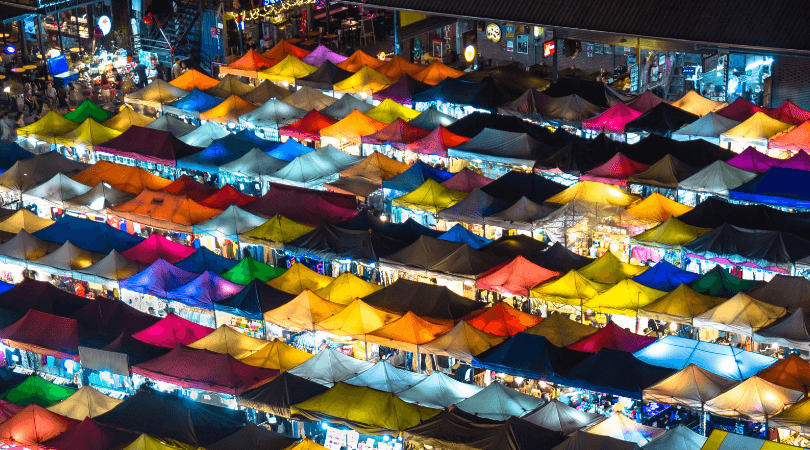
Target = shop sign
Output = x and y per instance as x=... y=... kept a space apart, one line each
x=510 y=45
x=493 y=32
x=549 y=48
x=689 y=71
x=523 y=43
x=634 y=78
x=589 y=50
x=105 y=25
x=509 y=30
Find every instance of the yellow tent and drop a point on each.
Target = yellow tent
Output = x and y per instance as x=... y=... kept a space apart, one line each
x=657 y=208
x=276 y=355
x=24 y=220
x=228 y=111
x=353 y=127
x=672 y=233
x=389 y=111
x=570 y=289
x=431 y=197
x=626 y=298
x=436 y=72
x=194 y=79
x=560 y=330
x=363 y=409
x=753 y=399
x=276 y=231
x=86 y=402
x=357 y=318
x=795 y=417
x=608 y=269
x=758 y=126
x=716 y=441
x=406 y=333
x=48 y=128
x=299 y=277
x=145 y=442
x=375 y=168
x=227 y=340
x=365 y=81
x=88 y=134
x=302 y=312
x=306 y=444
x=347 y=287
x=681 y=305
x=288 y=69
x=697 y=104
x=126 y=118
x=594 y=192
x=462 y=342
x=741 y=314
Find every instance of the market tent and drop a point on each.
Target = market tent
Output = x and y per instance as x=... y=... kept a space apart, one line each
x=24 y=247
x=406 y=333
x=754 y=161
x=32 y=426
x=384 y=377
x=722 y=440
x=68 y=257
x=203 y=259
x=10 y=153
x=252 y=301
x=402 y=91
x=55 y=191
x=125 y=178
x=248 y=269
x=608 y=269
x=173 y=125
x=44 y=334
x=614 y=337
x=765 y=248
x=696 y=104
x=753 y=399
x=593 y=192
x=665 y=277
x=192 y=105
x=503 y=320
x=289 y=150
x=282 y=49
x=511 y=78
x=690 y=387
x=431 y=118
x=344 y=106
x=194 y=79
x=438 y=142
x=615 y=171
x=315 y=167
x=530 y=356
x=329 y=366
x=309 y=99
x=289 y=201
x=389 y=111
x=740 y=314
x=414 y=177
x=619 y=426
x=626 y=298
x=498 y=402
x=527 y=105
x=398 y=66
x=363 y=409
x=228 y=111
x=356 y=318
x=299 y=277
x=552 y=257
x=569 y=110
x=88 y=109
x=255 y=437
x=466 y=181
x=474 y=208
x=90 y=435
x=708 y=128
x=321 y=55
x=791 y=372
x=789 y=112
x=431 y=197
x=98 y=199
x=203 y=291
x=302 y=312
x=375 y=168
x=717 y=178
x=570 y=289
x=27 y=173
x=164 y=210
x=157 y=247
x=793 y=417
x=424 y=300
x=248 y=66
x=308 y=127
x=669 y=234
x=41 y=296
x=277 y=396
x=459 y=93
x=352 y=128
x=436 y=72
x=793 y=141
x=164 y=147
x=86 y=402
x=227 y=196
x=595 y=92
x=365 y=82
x=646 y=101
x=558 y=416
x=171 y=331
x=755 y=129
x=663 y=119
x=657 y=208
x=791 y=332
x=48 y=128
x=357 y=60
x=801 y=160
x=438 y=391
x=581 y=440
x=785 y=291
x=35 y=390
x=287 y=70
x=126 y=118
x=345 y=288
x=276 y=230
x=107 y=319
x=254 y=164
x=276 y=355
x=560 y=330
x=617 y=372
x=666 y=173
x=434 y=255
x=157 y=279
x=229 y=86
x=505 y=147
x=677 y=352
x=777 y=186
x=740 y=110
x=155 y=94
x=265 y=92
x=229 y=224
x=23 y=219
x=462 y=235
x=325 y=77
x=681 y=305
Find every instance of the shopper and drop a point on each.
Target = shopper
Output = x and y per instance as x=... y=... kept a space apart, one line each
x=177 y=70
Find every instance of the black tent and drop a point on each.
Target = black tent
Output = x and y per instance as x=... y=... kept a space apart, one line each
x=344 y=106
x=135 y=350
x=712 y=213
x=579 y=157
x=792 y=331
x=481 y=95
x=510 y=79
x=407 y=232
x=254 y=437
x=617 y=372
x=436 y=255
x=559 y=259
x=666 y=173
x=43 y=297
x=762 y=247
x=253 y=300
x=472 y=124
x=595 y=92
x=569 y=110
x=510 y=247
x=278 y=395
x=330 y=242
x=520 y=216
x=514 y=185
x=110 y=318
x=500 y=146
x=424 y=300
x=788 y=292
x=663 y=119
x=323 y=78
x=473 y=208
x=530 y=356
x=528 y=105
x=696 y=153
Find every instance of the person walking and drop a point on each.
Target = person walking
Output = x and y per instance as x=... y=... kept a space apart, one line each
x=177 y=69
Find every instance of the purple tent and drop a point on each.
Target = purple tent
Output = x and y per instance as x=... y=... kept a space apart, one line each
x=203 y=291
x=321 y=54
x=164 y=148
x=752 y=160
x=800 y=160
x=158 y=279
x=402 y=90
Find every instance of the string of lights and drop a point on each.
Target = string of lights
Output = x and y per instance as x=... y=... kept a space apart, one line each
x=273 y=9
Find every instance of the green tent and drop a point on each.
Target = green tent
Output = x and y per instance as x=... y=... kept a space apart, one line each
x=719 y=283
x=37 y=391
x=88 y=109
x=249 y=269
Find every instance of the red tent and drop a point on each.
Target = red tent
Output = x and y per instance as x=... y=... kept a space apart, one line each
x=741 y=110
x=44 y=334
x=204 y=369
x=171 y=331
x=398 y=132
x=281 y=50
x=789 y=112
x=502 y=320
x=303 y=205
x=646 y=102
x=225 y=197
x=613 y=120
x=147 y=144
x=158 y=247
x=308 y=127
x=190 y=187
x=616 y=171
x=466 y=181
x=517 y=277
x=613 y=337
x=91 y=435
x=248 y=65
x=436 y=143
x=34 y=425
x=8 y=409
x=794 y=140
x=754 y=161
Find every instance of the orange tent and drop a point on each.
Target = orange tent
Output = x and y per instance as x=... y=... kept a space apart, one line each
x=436 y=72
x=397 y=66
x=302 y=312
x=248 y=65
x=357 y=318
x=407 y=333
x=353 y=127
x=124 y=178
x=358 y=60
x=228 y=111
x=503 y=320
x=164 y=210
x=792 y=372
x=194 y=79
x=517 y=277
x=281 y=50
x=656 y=209
x=34 y=425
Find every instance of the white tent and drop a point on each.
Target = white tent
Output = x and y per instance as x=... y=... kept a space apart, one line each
x=382 y=376
x=678 y=438
x=691 y=387
x=330 y=366
x=741 y=314
x=558 y=416
x=438 y=391
x=587 y=441
x=716 y=179
x=497 y=402
x=754 y=399
x=619 y=426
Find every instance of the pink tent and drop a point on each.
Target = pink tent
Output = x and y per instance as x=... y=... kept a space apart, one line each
x=516 y=277
x=752 y=160
x=172 y=331
x=646 y=102
x=322 y=54
x=789 y=112
x=613 y=337
x=800 y=160
x=794 y=140
x=158 y=247
x=741 y=110
x=613 y=120
x=615 y=171
x=466 y=181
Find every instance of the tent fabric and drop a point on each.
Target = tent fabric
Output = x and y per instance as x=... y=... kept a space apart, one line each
x=785 y=291
x=435 y=255
x=344 y=106
x=254 y=164
x=229 y=224
x=531 y=356
x=352 y=128
x=792 y=332
x=583 y=217
x=435 y=73
x=626 y=297
x=48 y=128
x=228 y=111
x=155 y=94
x=570 y=289
x=406 y=333
x=676 y=353
x=277 y=396
x=287 y=70
x=645 y=102
x=306 y=444
x=309 y=99
x=171 y=331
x=265 y=92
x=356 y=318
x=164 y=210
x=157 y=247
x=753 y=399
x=511 y=78
x=357 y=60
x=273 y=114
x=479 y=95
x=98 y=198
x=315 y=167
x=438 y=391
x=680 y=305
x=34 y=425
x=665 y=277
x=129 y=179
x=289 y=151
x=462 y=235
x=402 y=91
x=776 y=186
x=614 y=337
x=309 y=127
x=192 y=105
x=41 y=167
x=424 y=300
x=41 y=296
x=708 y=127
x=430 y=196
x=754 y=161
x=252 y=301
x=329 y=367
x=363 y=409
x=87 y=109
x=173 y=125
x=560 y=330
x=37 y=391
x=666 y=173
x=97 y=237
x=740 y=110
x=384 y=377
x=44 y=334
x=365 y=81
x=595 y=92
x=793 y=141
x=793 y=417
x=278 y=229
x=581 y=440
x=56 y=190
x=594 y=192
x=248 y=269
x=25 y=247
x=247 y=66
x=740 y=314
x=619 y=426
x=696 y=104
x=229 y=86
x=11 y=153
x=276 y=355
x=527 y=105
x=86 y=402
x=789 y=112
x=615 y=171
x=765 y=248
x=431 y=118
x=717 y=178
x=389 y=111
x=254 y=437
x=282 y=50
x=790 y=372
x=569 y=109
x=801 y=160
x=297 y=278
x=69 y=257
x=88 y=134
x=398 y=66
x=758 y=126
x=552 y=257
x=493 y=145
x=194 y=79
x=321 y=55
x=663 y=119
x=558 y=416
x=690 y=387
x=165 y=148
x=608 y=269
x=23 y=219
x=303 y=312
x=398 y=134
x=203 y=291
x=414 y=177
x=375 y=168
x=617 y=372
x=110 y=318
x=474 y=208
x=90 y=435
x=466 y=181
x=669 y=233
x=497 y=402
x=203 y=259
x=462 y=342
x=503 y=320
x=345 y=288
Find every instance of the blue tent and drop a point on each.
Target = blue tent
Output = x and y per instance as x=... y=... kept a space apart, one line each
x=158 y=279
x=203 y=259
x=255 y=299
x=10 y=153
x=412 y=178
x=5 y=286
x=478 y=94
x=530 y=356
x=204 y=290
x=616 y=372
x=97 y=237
x=192 y=104
x=665 y=277
x=465 y=236
x=731 y=362
x=289 y=150
x=778 y=186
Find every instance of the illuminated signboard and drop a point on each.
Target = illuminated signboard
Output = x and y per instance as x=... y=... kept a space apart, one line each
x=494 y=32
x=549 y=48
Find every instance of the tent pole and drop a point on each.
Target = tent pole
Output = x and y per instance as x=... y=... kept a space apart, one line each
x=418 y=362
x=767 y=429
x=702 y=419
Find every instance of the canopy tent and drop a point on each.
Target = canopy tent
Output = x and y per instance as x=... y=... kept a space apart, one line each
x=276 y=355
x=365 y=81
x=24 y=247
x=109 y=318
x=325 y=77
x=287 y=70
x=619 y=426
x=249 y=65
x=203 y=259
x=406 y=333
x=164 y=148
x=407 y=232
x=595 y=92
x=87 y=109
x=708 y=128
x=158 y=279
x=41 y=169
x=431 y=118
x=403 y=90
x=617 y=372
x=785 y=291
x=41 y=296
x=398 y=66
x=55 y=191
x=254 y=164
x=253 y=300
x=126 y=118
x=228 y=111
x=32 y=426
x=478 y=95
x=68 y=258
x=717 y=178
x=48 y=128
x=593 y=192
x=690 y=387
x=438 y=391
x=308 y=127
x=352 y=128
x=680 y=305
x=663 y=119
x=431 y=197
x=363 y=409
x=329 y=367
x=321 y=55
x=503 y=320
x=740 y=110
x=696 y=104
x=569 y=289
x=511 y=78
x=357 y=60
x=626 y=297
x=713 y=213
x=474 y=208
x=23 y=219
x=560 y=330
x=203 y=291
x=761 y=247
x=793 y=141
x=789 y=112
x=552 y=257
x=229 y=86
x=276 y=230
x=303 y=312
x=677 y=352
x=90 y=435
x=528 y=105
x=466 y=181
x=666 y=173
x=424 y=300
x=125 y=178
x=753 y=399
x=309 y=99
x=752 y=160
x=265 y=92
x=192 y=105
x=356 y=318
x=11 y=153
x=299 y=277
x=384 y=377
x=157 y=247
x=156 y=94
x=98 y=199
x=581 y=440
x=740 y=314
x=462 y=235
x=344 y=106
x=165 y=211
x=569 y=110
x=558 y=416
x=194 y=79
x=86 y=402
x=438 y=142
x=665 y=277
x=375 y=168
x=282 y=50
x=530 y=356
x=229 y=224
x=44 y=334
x=227 y=196
x=171 y=331
x=112 y=267
x=414 y=177
x=790 y=372
x=498 y=402
x=434 y=255
x=801 y=160
x=462 y=342
x=389 y=111
x=254 y=436
x=288 y=201
x=345 y=288
x=289 y=150
x=615 y=171
x=608 y=269
x=793 y=417
x=672 y=233
x=498 y=146
x=435 y=73
x=314 y=168
x=171 y=124
x=791 y=332
x=38 y=391
x=614 y=337
x=277 y=396
x=756 y=130
x=777 y=186
x=646 y=101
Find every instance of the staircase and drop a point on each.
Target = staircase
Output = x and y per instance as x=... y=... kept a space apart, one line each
x=676 y=85
x=181 y=25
